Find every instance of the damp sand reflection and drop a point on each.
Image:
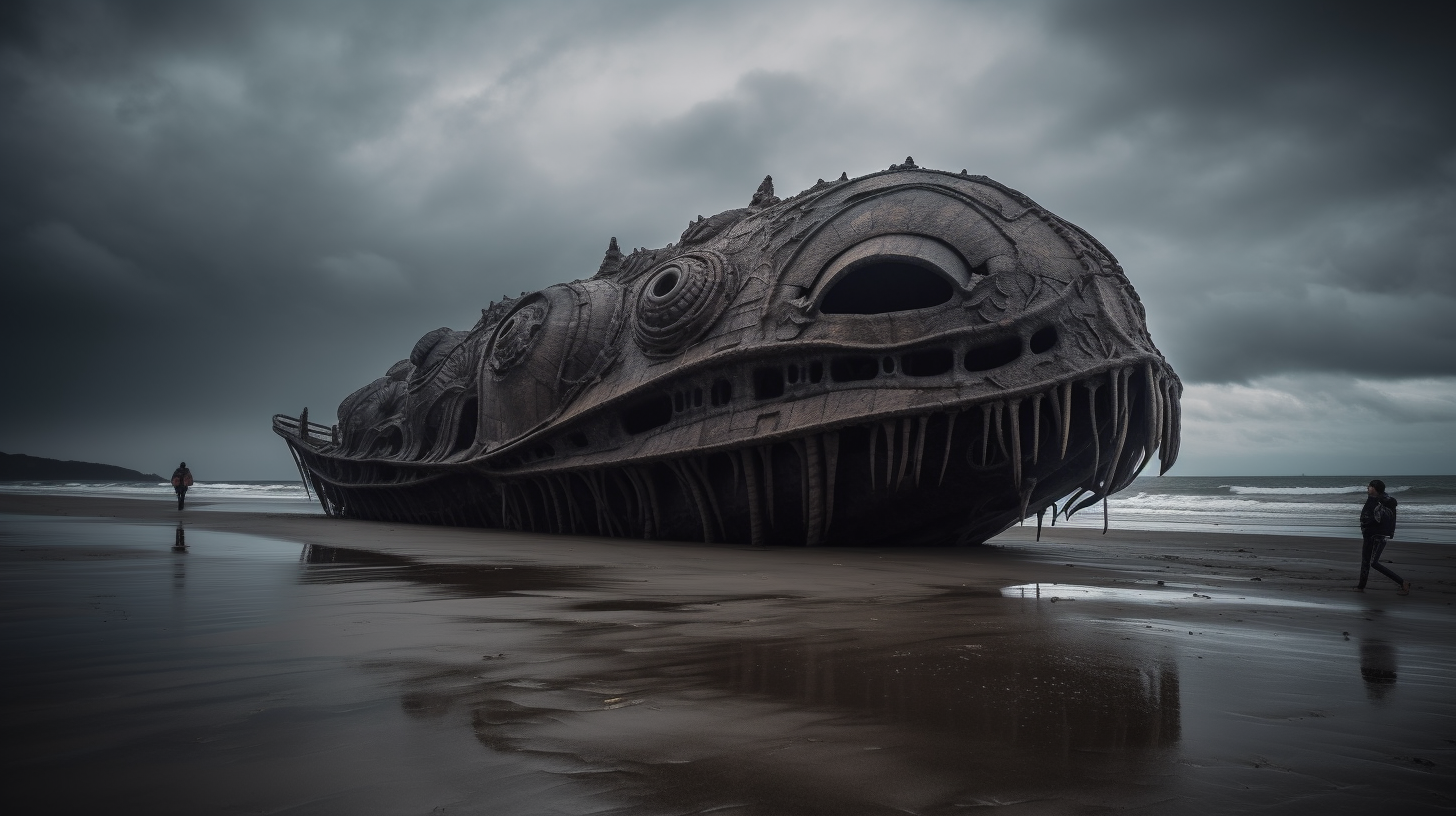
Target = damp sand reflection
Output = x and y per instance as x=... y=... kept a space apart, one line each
x=189 y=671
x=185 y=670
x=979 y=703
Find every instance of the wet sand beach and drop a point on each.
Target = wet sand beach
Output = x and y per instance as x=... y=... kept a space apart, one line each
x=233 y=662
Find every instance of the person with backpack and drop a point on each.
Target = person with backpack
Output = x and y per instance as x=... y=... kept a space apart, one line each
x=1377 y=527
x=181 y=480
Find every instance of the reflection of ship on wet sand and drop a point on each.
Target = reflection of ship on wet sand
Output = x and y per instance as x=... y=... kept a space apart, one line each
x=1019 y=693
x=929 y=712
x=339 y=565
x=400 y=667
x=844 y=723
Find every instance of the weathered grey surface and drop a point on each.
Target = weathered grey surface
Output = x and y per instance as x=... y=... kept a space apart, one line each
x=911 y=357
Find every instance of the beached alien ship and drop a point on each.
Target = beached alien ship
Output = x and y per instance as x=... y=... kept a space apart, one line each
x=912 y=357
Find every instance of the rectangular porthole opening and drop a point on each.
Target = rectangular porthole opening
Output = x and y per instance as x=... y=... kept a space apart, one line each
x=852 y=369
x=993 y=355
x=927 y=363
x=646 y=414
x=768 y=383
x=722 y=392
x=816 y=371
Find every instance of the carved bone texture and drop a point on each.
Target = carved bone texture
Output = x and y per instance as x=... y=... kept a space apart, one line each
x=782 y=376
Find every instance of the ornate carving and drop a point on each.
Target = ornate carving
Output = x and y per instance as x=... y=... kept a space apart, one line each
x=680 y=300
x=611 y=261
x=764 y=195
x=515 y=336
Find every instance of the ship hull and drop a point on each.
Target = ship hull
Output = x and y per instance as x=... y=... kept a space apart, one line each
x=936 y=479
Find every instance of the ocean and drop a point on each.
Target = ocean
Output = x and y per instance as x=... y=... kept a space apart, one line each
x=1284 y=505
x=1287 y=505
x=245 y=496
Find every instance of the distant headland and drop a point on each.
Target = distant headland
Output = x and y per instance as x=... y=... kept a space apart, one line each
x=18 y=467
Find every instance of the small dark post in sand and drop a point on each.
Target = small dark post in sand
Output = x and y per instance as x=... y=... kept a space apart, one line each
x=913 y=357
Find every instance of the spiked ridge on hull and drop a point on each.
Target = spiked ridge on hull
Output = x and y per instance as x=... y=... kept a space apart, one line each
x=910 y=357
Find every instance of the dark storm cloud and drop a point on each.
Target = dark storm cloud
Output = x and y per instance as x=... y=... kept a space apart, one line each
x=211 y=212
x=1302 y=157
x=724 y=140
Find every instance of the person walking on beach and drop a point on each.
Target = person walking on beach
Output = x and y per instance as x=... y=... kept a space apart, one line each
x=181 y=480
x=1377 y=526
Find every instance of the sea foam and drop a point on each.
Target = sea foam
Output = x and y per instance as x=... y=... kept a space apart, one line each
x=1245 y=490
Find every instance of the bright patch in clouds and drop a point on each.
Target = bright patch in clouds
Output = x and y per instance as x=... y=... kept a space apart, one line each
x=366 y=271
x=1319 y=425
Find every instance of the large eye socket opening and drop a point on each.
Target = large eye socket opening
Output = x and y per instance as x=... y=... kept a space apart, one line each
x=899 y=272
x=884 y=285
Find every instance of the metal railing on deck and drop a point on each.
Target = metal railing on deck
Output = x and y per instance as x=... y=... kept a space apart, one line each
x=314 y=436
x=302 y=429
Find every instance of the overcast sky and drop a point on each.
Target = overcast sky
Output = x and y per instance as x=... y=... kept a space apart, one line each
x=213 y=212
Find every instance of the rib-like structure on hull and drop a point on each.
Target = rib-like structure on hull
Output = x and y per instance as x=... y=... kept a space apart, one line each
x=912 y=357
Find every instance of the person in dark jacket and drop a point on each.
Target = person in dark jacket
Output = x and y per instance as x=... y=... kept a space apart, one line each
x=1377 y=526
x=181 y=480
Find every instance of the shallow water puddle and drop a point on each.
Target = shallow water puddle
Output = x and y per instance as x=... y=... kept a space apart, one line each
x=1170 y=594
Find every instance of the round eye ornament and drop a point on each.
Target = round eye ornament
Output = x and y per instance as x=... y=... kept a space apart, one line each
x=680 y=301
x=516 y=334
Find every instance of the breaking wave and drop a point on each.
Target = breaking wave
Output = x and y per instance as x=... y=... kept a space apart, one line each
x=81 y=487
x=1174 y=504
x=261 y=496
x=1248 y=490
x=1314 y=505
